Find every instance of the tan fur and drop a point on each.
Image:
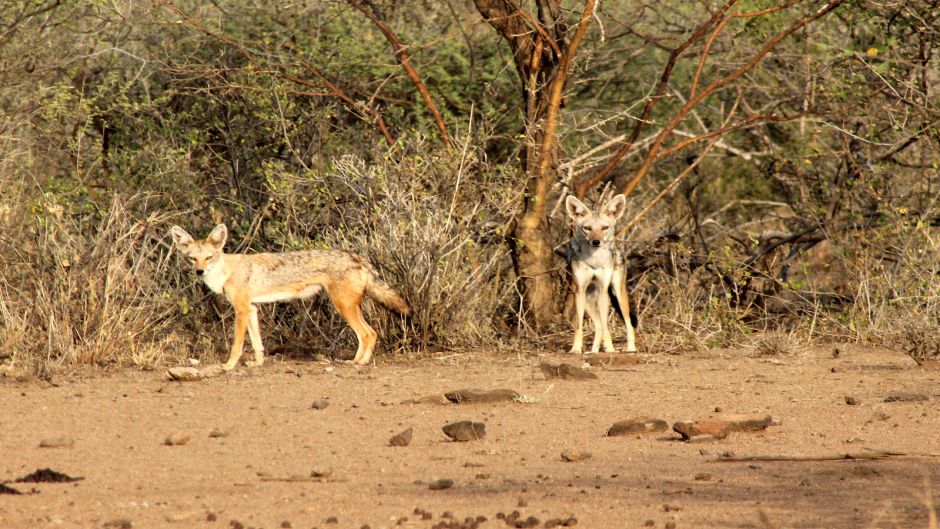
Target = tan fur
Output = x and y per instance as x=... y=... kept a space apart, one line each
x=246 y=279
x=597 y=266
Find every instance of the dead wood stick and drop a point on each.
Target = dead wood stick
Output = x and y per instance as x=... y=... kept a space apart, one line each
x=874 y=454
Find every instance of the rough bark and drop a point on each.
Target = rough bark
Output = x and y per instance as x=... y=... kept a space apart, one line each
x=542 y=54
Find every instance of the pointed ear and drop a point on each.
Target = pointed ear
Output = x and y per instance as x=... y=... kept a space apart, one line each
x=616 y=206
x=180 y=237
x=218 y=235
x=575 y=208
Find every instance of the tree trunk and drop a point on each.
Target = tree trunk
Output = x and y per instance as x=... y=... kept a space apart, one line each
x=538 y=48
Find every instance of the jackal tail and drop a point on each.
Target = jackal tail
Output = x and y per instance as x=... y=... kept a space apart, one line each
x=634 y=321
x=380 y=291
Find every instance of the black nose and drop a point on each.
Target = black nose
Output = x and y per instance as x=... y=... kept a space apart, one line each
x=595 y=242
x=199 y=272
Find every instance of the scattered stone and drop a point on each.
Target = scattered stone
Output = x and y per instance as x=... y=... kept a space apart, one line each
x=235 y=524
x=191 y=374
x=441 y=484
x=402 y=439
x=218 y=432
x=612 y=359
x=47 y=475
x=906 y=397
x=670 y=525
x=852 y=401
x=649 y=523
x=286 y=524
x=321 y=404
x=332 y=519
x=575 y=455
x=703 y=476
x=430 y=399
x=714 y=428
x=720 y=428
x=479 y=396
x=177 y=439
x=61 y=441
x=671 y=508
x=211 y=517
x=321 y=473
x=640 y=425
x=6 y=489
x=565 y=371
x=465 y=430
x=120 y=523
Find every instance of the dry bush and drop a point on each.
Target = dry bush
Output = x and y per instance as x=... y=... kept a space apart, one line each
x=84 y=288
x=437 y=243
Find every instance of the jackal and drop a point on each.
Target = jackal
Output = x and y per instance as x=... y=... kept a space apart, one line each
x=597 y=271
x=246 y=279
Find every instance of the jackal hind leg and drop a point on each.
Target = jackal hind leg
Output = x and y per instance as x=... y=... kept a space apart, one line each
x=349 y=307
x=620 y=287
x=580 y=293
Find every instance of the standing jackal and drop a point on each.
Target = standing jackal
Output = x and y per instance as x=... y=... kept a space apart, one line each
x=246 y=279
x=597 y=270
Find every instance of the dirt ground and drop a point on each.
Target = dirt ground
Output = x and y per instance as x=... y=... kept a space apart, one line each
x=259 y=474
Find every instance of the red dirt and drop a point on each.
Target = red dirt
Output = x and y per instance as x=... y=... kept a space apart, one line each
x=259 y=474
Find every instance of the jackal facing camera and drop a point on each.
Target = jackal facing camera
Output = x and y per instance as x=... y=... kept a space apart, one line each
x=598 y=270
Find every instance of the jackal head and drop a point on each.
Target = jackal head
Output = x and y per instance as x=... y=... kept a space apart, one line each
x=595 y=228
x=205 y=253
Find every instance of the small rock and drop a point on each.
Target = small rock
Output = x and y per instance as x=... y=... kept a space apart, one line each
x=714 y=428
x=640 y=425
x=703 y=476
x=61 y=441
x=191 y=374
x=441 y=484
x=720 y=428
x=176 y=439
x=402 y=439
x=906 y=397
x=120 y=523
x=565 y=371
x=649 y=523
x=217 y=432
x=322 y=473
x=575 y=455
x=286 y=524
x=183 y=374
x=465 y=430
x=670 y=525
x=851 y=401
x=332 y=519
x=321 y=404
x=476 y=396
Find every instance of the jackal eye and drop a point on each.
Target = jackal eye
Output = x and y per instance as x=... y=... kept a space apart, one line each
x=587 y=228
x=605 y=228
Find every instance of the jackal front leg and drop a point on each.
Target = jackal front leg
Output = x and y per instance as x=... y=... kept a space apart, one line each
x=241 y=324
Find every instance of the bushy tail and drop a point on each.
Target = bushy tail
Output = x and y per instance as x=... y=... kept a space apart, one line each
x=388 y=298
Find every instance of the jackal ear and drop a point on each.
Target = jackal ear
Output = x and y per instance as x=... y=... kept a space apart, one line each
x=218 y=235
x=575 y=208
x=615 y=206
x=180 y=237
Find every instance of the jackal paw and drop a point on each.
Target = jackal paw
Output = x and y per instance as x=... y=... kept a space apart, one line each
x=228 y=367
x=254 y=363
x=575 y=351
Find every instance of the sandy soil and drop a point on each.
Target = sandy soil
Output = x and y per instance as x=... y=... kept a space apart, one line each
x=259 y=474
